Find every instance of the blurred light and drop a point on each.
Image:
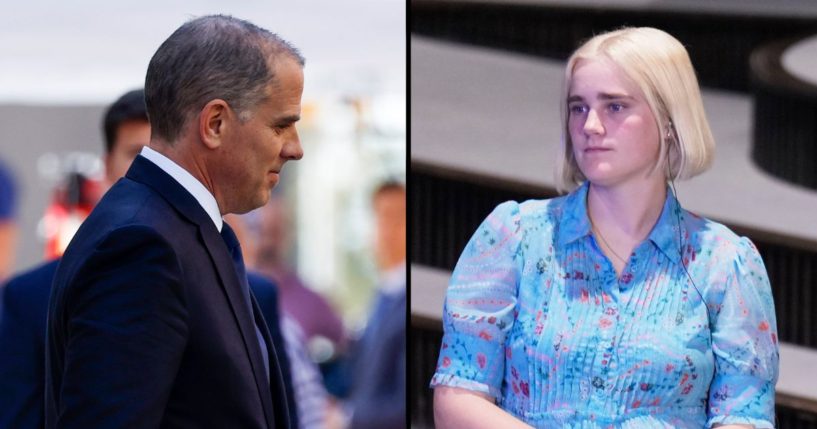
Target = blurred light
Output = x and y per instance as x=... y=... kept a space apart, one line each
x=321 y=349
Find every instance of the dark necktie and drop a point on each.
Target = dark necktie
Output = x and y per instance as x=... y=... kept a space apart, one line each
x=238 y=261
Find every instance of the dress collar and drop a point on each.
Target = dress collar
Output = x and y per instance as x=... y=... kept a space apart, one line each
x=575 y=223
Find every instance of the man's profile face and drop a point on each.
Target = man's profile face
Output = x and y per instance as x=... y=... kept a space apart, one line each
x=256 y=150
x=131 y=136
x=390 y=222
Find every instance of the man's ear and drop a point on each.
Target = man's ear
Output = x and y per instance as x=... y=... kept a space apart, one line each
x=213 y=122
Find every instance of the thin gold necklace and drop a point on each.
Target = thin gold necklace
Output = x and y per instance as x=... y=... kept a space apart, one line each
x=603 y=240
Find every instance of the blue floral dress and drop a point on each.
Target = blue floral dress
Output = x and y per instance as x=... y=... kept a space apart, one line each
x=536 y=317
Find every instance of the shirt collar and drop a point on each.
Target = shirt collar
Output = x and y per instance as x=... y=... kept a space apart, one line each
x=665 y=234
x=394 y=280
x=188 y=182
x=575 y=223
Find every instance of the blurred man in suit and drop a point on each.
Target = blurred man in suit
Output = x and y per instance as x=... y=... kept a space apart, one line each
x=24 y=299
x=151 y=321
x=309 y=309
x=376 y=369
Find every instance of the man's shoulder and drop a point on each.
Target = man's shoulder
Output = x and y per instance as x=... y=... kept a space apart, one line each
x=130 y=219
x=126 y=200
x=129 y=206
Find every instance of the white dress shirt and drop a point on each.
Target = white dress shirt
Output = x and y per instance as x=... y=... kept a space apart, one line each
x=188 y=182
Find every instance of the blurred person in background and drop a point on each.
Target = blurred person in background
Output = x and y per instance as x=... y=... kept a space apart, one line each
x=8 y=224
x=126 y=130
x=24 y=302
x=375 y=370
x=312 y=312
x=71 y=202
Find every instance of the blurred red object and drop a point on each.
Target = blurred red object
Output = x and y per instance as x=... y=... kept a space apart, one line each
x=71 y=202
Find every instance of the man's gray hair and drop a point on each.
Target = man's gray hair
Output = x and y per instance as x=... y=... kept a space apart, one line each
x=210 y=57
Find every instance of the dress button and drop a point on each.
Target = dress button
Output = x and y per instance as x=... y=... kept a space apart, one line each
x=598 y=383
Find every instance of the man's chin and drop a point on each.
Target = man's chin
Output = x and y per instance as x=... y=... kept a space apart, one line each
x=262 y=199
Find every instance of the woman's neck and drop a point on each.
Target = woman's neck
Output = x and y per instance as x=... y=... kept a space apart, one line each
x=622 y=216
x=626 y=210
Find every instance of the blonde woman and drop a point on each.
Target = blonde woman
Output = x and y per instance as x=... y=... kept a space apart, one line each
x=612 y=306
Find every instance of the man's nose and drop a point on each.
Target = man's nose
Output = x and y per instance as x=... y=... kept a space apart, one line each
x=292 y=149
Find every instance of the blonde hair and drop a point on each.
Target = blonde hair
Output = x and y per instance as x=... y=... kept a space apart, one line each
x=660 y=66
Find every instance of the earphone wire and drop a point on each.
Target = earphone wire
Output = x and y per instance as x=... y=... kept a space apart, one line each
x=681 y=250
x=673 y=137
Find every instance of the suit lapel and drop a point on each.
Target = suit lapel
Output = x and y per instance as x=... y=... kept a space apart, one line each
x=232 y=287
x=148 y=173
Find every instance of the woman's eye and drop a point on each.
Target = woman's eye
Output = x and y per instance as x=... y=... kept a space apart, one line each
x=577 y=109
x=616 y=107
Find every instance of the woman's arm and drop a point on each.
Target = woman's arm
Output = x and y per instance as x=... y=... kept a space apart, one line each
x=479 y=311
x=460 y=408
x=744 y=341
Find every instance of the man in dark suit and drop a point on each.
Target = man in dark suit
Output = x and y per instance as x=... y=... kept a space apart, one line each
x=24 y=299
x=23 y=310
x=151 y=322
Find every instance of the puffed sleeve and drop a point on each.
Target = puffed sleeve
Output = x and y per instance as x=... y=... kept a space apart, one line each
x=480 y=305
x=744 y=342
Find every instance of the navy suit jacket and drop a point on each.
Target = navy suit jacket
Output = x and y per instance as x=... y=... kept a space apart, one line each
x=147 y=323
x=377 y=368
x=23 y=312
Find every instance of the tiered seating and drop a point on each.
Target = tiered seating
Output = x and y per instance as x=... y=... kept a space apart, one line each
x=719 y=34
x=785 y=121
